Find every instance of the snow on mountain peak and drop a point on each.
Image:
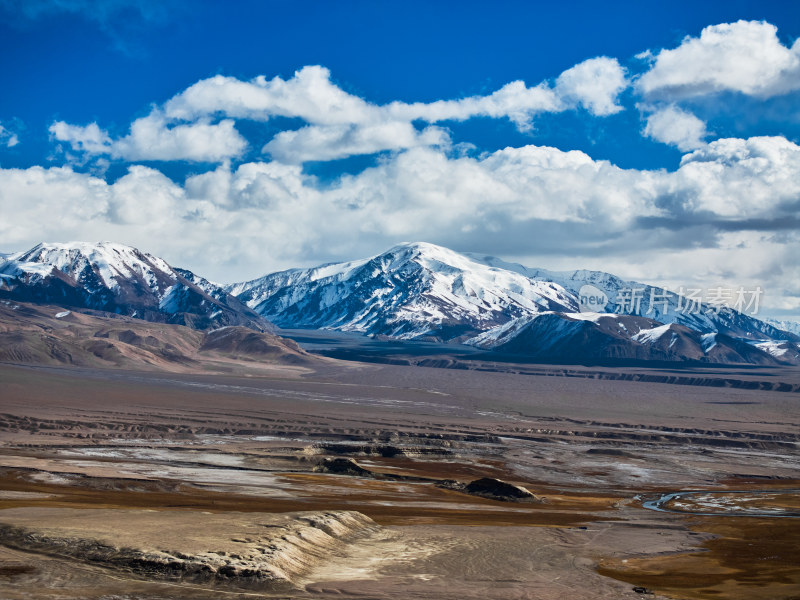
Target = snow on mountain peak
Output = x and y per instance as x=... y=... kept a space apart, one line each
x=413 y=289
x=109 y=260
x=117 y=278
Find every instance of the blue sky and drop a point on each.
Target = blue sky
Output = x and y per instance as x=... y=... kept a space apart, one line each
x=654 y=140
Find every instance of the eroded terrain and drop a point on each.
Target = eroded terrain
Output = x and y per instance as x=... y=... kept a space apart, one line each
x=352 y=481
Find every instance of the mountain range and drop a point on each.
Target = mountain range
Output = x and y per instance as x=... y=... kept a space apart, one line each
x=413 y=291
x=425 y=292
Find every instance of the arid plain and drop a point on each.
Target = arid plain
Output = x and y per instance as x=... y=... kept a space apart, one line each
x=349 y=480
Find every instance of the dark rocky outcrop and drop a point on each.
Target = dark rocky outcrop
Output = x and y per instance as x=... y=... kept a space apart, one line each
x=493 y=489
x=342 y=466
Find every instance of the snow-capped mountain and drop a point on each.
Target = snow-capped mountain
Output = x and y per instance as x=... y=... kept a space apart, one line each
x=410 y=291
x=120 y=279
x=792 y=327
x=418 y=290
x=665 y=306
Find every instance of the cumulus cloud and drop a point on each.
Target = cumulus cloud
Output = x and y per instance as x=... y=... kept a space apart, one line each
x=514 y=101
x=144 y=193
x=677 y=127
x=756 y=178
x=341 y=124
x=153 y=138
x=595 y=84
x=745 y=57
x=309 y=94
x=312 y=96
x=339 y=141
x=89 y=138
x=48 y=202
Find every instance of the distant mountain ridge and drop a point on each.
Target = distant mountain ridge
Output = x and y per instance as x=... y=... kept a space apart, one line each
x=422 y=291
x=553 y=337
x=654 y=302
x=790 y=326
x=120 y=279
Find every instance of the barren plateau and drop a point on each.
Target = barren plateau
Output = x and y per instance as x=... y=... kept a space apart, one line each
x=332 y=479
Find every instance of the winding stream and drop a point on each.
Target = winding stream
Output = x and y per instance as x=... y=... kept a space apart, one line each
x=729 y=503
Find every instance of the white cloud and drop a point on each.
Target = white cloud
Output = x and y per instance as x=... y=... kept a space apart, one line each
x=44 y=203
x=745 y=57
x=89 y=138
x=153 y=138
x=312 y=96
x=309 y=95
x=341 y=124
x=756 y=178
x=143 y=196
x=8 y=138
x=595 y=84
x=514 y=100
x=339 y=141
x=677 y=127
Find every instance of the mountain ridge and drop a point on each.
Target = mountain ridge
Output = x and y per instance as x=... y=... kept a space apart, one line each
x=120 y=279
x=420 y=291
x=399 y=293
x=47 y=334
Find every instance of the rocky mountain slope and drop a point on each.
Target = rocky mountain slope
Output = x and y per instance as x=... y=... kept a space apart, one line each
x=53 y=335
x=559 y=337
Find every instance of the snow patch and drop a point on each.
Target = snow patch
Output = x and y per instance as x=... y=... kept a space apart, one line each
x=594 y=317
x=650 y=336
x=709 y=340
x=776 y=349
